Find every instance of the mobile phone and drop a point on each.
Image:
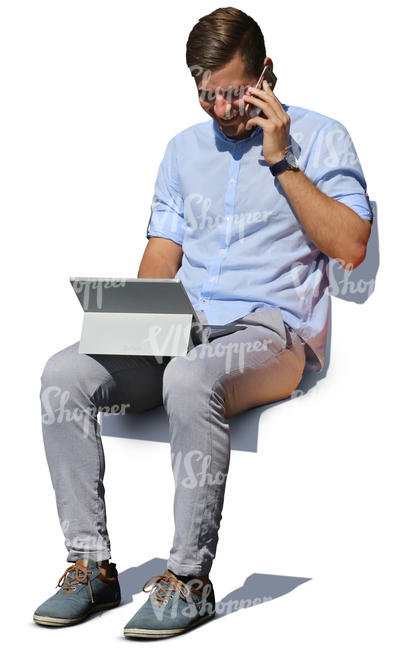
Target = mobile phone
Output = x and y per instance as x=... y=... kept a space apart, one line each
x=250 y=110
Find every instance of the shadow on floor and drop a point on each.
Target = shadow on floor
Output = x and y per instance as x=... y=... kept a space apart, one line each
x=257 y=588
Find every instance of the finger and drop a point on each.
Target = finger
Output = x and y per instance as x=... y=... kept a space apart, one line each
x=260 y=121
x=268 y=95
x=265 y=106
x=267 y=88
x=263 y=95
x=274 y=99
x=268 y=111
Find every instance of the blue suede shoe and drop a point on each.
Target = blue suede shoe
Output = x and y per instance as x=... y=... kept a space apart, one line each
x=173 y=607
x=84 y=589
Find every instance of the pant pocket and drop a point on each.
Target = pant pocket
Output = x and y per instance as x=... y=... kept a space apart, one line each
x=272 y=318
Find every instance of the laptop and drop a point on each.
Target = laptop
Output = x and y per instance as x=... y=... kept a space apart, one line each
x=140 y=316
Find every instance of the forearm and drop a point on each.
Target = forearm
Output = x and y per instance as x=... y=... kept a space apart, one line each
x=333 y=227
x=154 y=266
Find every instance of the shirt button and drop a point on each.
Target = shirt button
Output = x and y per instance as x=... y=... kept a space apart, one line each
x=232 y=180
x=228 y=218
x=213 y=279
x=203 y=299
x=222 y=250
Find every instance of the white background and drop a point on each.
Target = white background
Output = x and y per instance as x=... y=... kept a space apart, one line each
x=91 y=94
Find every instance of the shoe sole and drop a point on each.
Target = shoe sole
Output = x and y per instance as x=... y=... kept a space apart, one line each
x=159 y=634
x=62 y=622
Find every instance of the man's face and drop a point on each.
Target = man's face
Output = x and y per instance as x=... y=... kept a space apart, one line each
x=221 y=96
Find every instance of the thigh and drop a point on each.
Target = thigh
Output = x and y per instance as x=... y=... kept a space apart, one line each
x=130 y=381
x=265 y=380
x=257 y=365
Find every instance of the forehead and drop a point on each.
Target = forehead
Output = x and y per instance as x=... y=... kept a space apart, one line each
x=232 y=74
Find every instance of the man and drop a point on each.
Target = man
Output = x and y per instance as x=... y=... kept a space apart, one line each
x=249 y=230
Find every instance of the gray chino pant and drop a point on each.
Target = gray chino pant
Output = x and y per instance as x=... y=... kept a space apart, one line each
x=258 y=365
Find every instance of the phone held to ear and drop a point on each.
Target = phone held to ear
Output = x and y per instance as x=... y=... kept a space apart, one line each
x=250 y=110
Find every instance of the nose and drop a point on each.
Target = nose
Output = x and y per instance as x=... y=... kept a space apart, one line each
x=223 y=107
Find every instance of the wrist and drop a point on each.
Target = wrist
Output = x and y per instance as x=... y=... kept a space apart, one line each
x=289 y=161
x=277 y=157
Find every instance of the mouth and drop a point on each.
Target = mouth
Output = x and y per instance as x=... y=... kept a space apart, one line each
x=232 y=120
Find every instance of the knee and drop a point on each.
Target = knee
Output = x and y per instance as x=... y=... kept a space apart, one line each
x=176 y=377
x=187 y=382
x=58 y=368
x=65 y=373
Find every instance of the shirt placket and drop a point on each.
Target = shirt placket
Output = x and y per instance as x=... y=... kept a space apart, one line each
x=225 y=227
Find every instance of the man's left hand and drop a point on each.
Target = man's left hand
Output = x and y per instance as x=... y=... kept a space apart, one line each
x=276 y=124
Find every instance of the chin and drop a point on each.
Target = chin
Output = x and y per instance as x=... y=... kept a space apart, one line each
x=232 y=127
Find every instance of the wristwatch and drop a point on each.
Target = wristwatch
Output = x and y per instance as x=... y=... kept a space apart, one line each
x=288 y=162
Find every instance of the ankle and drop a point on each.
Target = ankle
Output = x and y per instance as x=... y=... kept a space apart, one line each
x=199 y=582
x=104 y=564
x=106 y=569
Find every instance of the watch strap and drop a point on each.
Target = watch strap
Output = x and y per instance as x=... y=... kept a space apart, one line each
x=280 y=166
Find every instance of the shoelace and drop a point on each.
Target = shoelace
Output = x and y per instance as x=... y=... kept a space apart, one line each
x=81 y=574
x=166 y=584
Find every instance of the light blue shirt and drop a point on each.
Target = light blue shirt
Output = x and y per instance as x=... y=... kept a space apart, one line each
x=243 y=245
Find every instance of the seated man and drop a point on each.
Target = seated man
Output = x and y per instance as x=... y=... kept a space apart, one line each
x=249 y=229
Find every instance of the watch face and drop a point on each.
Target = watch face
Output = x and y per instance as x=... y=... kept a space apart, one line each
x=291 y=159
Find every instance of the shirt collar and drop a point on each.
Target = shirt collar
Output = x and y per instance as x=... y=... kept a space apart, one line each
x=219 y=134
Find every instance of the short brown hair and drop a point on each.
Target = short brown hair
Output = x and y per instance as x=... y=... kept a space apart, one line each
x=216 y=38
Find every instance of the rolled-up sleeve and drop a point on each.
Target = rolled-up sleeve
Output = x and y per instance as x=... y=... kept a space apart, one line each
x=167 y=214
x=333 y=166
